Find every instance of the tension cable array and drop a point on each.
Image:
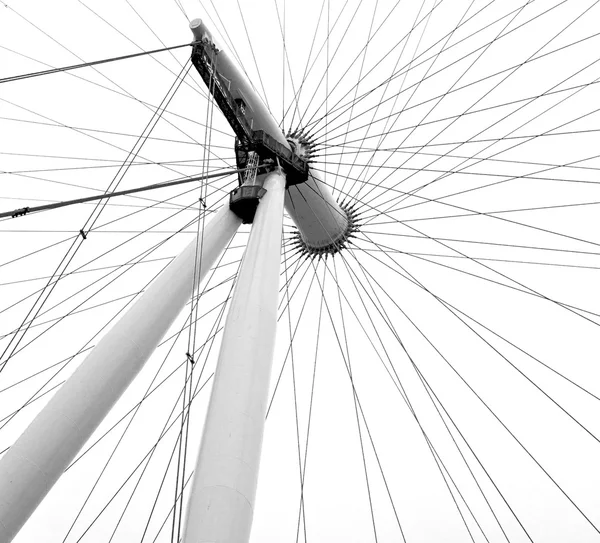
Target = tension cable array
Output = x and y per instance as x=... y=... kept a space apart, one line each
x=26 y=210
x=92 y=63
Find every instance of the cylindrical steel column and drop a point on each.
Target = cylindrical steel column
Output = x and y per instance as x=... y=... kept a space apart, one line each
x=222 y=496
x=37 y=459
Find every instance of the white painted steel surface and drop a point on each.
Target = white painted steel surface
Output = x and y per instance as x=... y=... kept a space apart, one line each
x=222 y=497
x=37 y=459
x=311 y=206
x=317 y=215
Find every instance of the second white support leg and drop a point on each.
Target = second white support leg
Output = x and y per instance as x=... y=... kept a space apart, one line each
x=29 y=469
x=222 y=495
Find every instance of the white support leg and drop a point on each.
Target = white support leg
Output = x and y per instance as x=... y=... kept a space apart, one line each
x=222 y=496
x=37 y=459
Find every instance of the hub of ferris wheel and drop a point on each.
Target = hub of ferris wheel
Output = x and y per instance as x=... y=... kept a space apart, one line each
x=305 y=147
x=323 y=226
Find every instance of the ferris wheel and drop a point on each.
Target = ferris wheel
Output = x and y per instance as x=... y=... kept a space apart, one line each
x=320 y=272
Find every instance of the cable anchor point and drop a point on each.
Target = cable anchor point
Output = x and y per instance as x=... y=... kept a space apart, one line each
x=20 y=212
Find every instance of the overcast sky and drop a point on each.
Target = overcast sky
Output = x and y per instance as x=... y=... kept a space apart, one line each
x=466 y=310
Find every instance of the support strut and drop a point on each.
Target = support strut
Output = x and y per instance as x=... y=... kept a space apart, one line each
x=38 y=458
x=222 y=496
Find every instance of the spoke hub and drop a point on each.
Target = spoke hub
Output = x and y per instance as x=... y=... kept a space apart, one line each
x=336 y=245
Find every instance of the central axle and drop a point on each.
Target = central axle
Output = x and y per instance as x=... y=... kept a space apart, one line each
x=323 y=225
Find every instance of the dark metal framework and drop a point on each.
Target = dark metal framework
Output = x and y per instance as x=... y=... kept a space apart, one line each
x=247 y=139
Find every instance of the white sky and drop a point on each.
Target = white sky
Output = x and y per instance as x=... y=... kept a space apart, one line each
x=53 y=127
